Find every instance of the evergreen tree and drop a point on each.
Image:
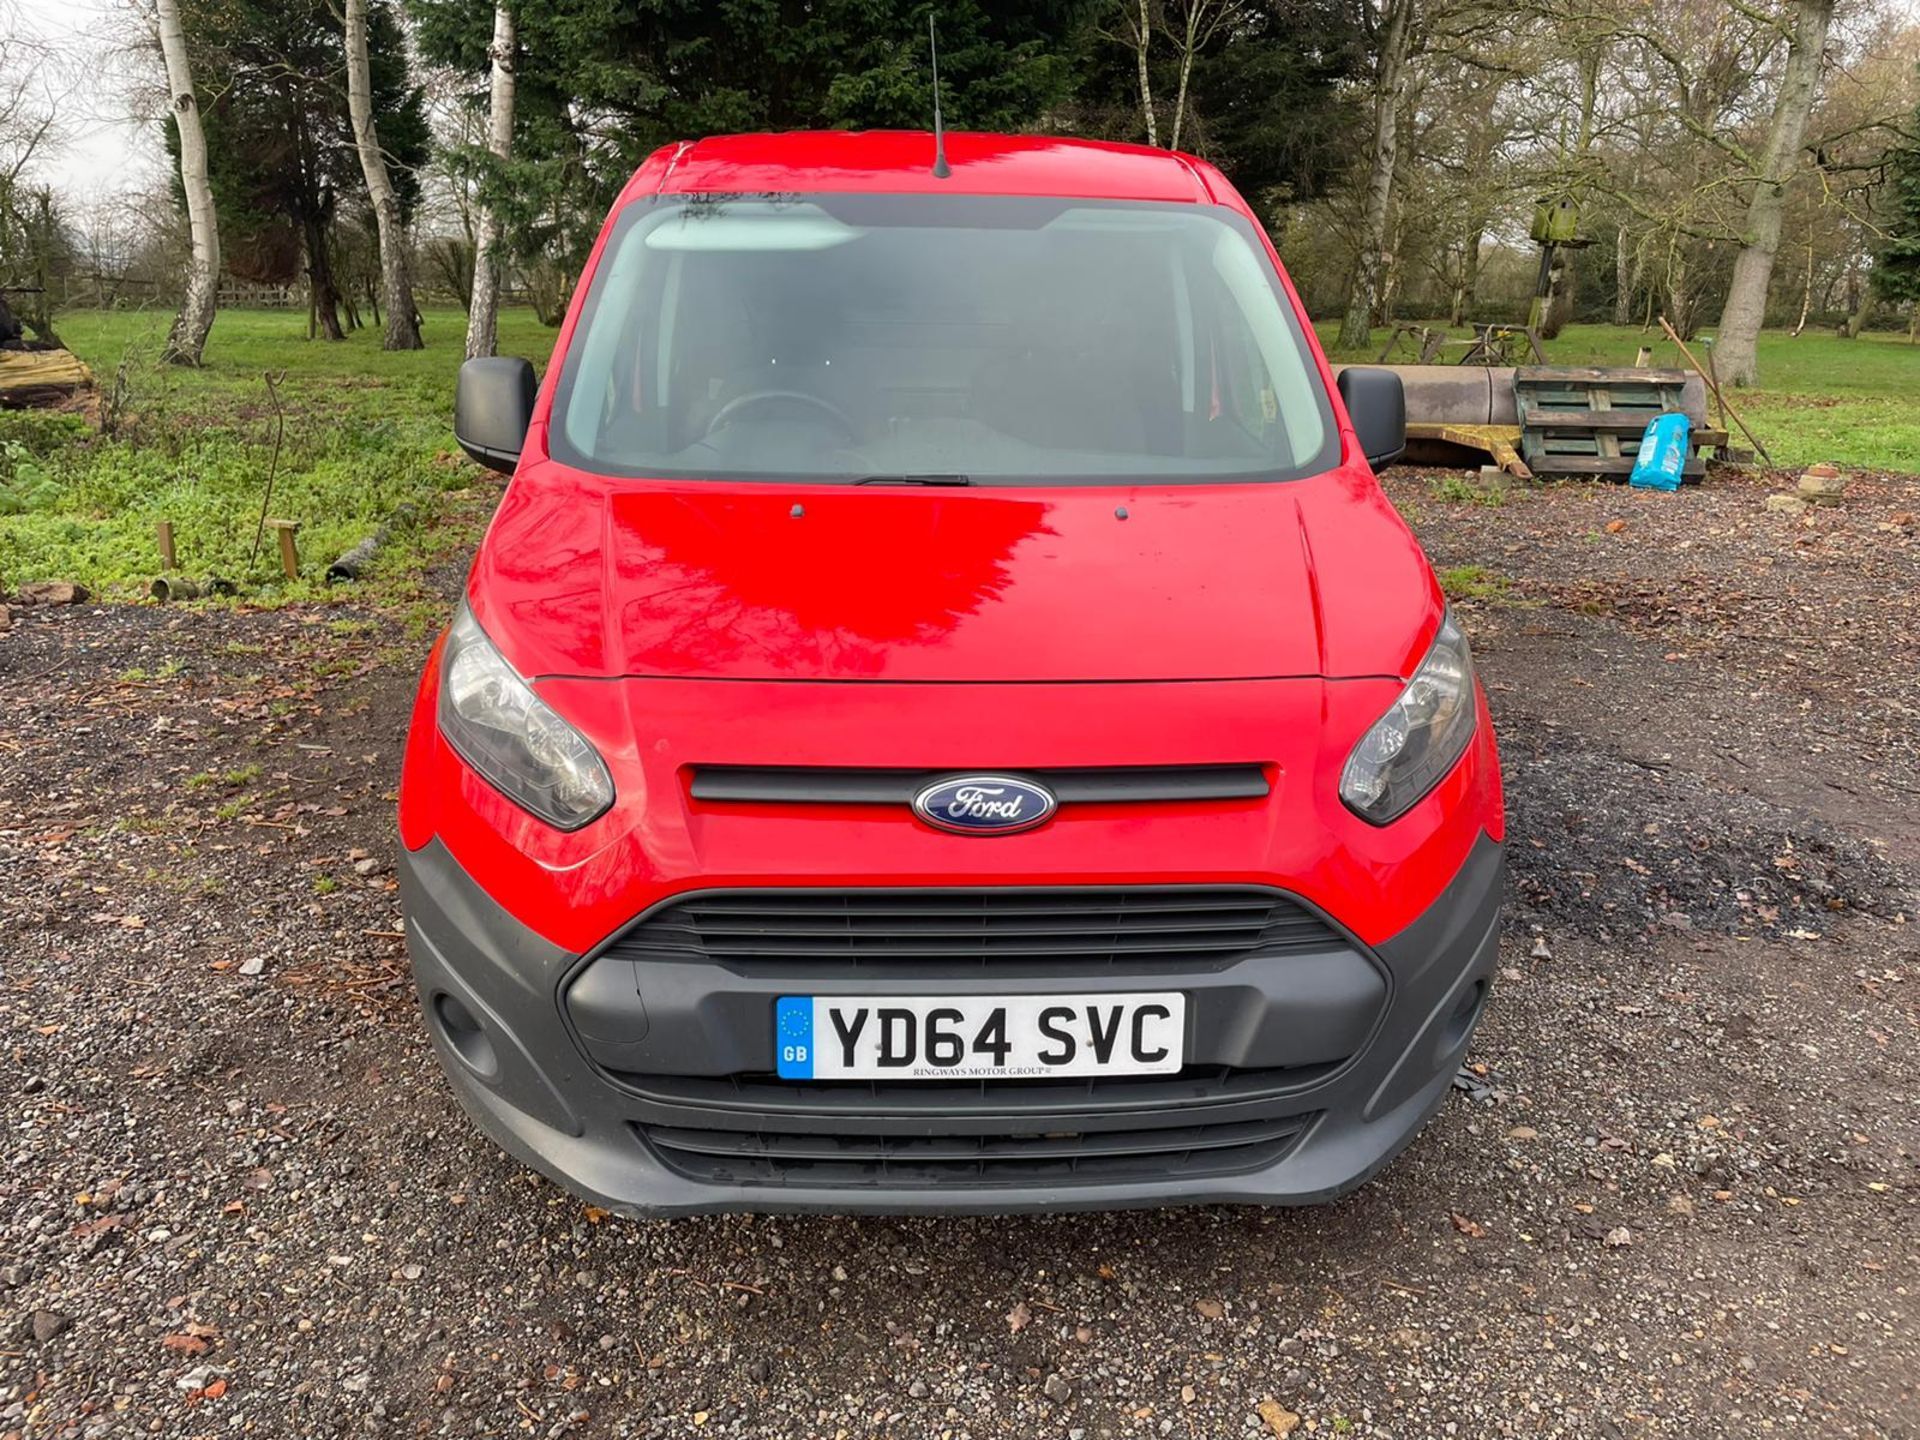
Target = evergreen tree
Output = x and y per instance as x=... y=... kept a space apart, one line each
x=1896 y=269
x=280 y=139
x=1270 y=100
x=600 y=84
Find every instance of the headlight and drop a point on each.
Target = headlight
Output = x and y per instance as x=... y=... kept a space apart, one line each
x=512 y=737
x=1420 y=737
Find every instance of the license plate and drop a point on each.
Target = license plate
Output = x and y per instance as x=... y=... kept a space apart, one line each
x=973 y=1037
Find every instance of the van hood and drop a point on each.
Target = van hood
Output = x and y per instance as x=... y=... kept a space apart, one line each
x=589 y=577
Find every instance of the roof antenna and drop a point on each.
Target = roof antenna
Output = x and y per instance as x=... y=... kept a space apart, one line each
x=940 y=168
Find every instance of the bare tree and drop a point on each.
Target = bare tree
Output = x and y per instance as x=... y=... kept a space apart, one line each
x=1746 y=307
x=1190 y=25
x=33 y=102
x=30 y=97
x=1136 y=33
x=187 y=340
x=1394 y=43
x=403 y=321
x=483 y=313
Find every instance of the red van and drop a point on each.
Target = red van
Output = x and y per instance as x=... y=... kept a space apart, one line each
x=944 y=717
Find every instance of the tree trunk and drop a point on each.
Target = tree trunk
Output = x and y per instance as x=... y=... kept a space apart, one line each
x=324 y=295
x=1469 y=281
x=1142 y=35
x=1806 y=295
x=187 y=340
x=1682 y=294
x=403 y=327
x=1197 y=23
x=42 y=239
x=1557 y=314
x=1180 y=95
x=1390 y=81
x=483 y=309
x=1746 y=307
x=1859 y=315
x=1623 y=278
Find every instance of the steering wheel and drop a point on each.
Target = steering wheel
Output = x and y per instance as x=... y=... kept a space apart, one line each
x=733 y=409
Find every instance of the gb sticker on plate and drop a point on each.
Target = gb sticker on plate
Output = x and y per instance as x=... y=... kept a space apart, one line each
x=793 y=1036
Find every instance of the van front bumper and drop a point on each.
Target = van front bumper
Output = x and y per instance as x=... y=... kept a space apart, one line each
x=644 y=1084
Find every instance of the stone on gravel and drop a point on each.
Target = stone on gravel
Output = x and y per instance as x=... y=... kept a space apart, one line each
x=52 y=592
x=1057 y=1389
x=1822 y=485
x=1279 y=1419
x=46 y=1324
x=1787 y=504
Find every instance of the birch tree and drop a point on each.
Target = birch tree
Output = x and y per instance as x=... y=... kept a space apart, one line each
x=1190 y=25
x=187 y=340
x=396 y=281
x=1136 y=33
x=1394 y=43
x=483 y=313
x=1746 y=307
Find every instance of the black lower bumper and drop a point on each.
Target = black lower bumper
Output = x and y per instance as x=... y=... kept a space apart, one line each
x=1312 y=1071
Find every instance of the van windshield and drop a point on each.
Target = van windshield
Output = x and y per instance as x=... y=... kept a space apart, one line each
x=1006 y=340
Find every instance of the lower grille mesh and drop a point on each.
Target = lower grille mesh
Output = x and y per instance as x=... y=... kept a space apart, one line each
x=757 y=1157
x=914 y=1101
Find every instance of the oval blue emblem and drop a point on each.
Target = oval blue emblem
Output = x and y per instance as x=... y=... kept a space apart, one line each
x=985 y=805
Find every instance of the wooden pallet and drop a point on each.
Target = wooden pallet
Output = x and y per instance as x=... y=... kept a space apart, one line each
x=1580 y=421
x=40 y=377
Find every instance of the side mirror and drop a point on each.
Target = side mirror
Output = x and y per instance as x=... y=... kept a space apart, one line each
x=1377 y=404
x=492 y=407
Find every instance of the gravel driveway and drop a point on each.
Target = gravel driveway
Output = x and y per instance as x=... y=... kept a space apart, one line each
x=1679 y=1195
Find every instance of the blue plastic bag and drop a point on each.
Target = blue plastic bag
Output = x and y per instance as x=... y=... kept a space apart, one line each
x=1664 y=448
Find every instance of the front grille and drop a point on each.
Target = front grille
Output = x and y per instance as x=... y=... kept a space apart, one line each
x=825 y=785
x=905 y=930
x=968 y=1104
x=747 y=1127
x=1064 y=1157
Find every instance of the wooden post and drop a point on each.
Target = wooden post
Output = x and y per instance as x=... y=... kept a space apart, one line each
x=163 y=534
x=289 y=554
x=1713 y=384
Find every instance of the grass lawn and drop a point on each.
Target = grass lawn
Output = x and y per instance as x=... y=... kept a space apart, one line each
x=367 y=432
x=1820 y=398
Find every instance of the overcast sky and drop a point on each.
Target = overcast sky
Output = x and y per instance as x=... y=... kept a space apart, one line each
x=108 y=151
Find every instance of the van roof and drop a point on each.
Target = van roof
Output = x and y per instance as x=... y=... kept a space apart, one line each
x=902 y=160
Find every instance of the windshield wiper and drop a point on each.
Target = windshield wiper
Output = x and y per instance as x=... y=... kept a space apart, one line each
x=933 y=479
